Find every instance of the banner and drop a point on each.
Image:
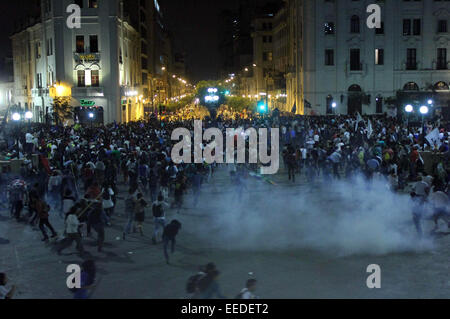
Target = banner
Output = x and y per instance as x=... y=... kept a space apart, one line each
x=433 y=138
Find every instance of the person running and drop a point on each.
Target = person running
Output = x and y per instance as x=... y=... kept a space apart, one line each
x=169 y=236
x=98 y=219
x=209 y=287
x=192 y=286
x=42 y=209
x=72 y=233
x=130 y=203
x=248 y=291
x=159 y=217
x=139 y=210
x=17 y=192
x=68 y=202
x=6 y=293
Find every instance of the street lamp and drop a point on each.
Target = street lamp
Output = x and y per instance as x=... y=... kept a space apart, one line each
x=28 y=116
x=424 y=111
x=334 y=105
x=16 y=118
x=91 y=118
x=430 y=102
x=408 y=109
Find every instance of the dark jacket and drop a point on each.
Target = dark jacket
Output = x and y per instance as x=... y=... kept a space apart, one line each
x=171 y=230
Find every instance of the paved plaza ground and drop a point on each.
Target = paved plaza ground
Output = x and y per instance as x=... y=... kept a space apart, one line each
x=135 y=268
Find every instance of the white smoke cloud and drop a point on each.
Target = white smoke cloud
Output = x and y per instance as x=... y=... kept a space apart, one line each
x=340 y=217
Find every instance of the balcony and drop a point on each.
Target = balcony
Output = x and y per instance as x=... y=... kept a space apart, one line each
x=40 y=92
x=441 y=65
x=411 y=66
x=356 y=67
x=87 y=91
x=86 y=57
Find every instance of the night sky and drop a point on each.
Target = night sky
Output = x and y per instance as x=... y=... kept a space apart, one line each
x=193 y=23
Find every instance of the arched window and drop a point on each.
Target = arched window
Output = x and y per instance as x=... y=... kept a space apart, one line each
x=354 y=88
x=411 y=86
x=354 y=24
x=329 y=104
x=441 y=86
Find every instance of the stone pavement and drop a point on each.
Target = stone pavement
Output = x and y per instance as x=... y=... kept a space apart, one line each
x=135 y=268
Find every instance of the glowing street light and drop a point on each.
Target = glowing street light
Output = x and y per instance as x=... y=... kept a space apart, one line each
x=91 y=115
x=16 y=117
x=430 y=102
x=409 y=108
x=28 y=115
x=423 y=109
x=334 y=105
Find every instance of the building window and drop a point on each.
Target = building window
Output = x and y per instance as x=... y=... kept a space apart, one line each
x=441 y=86
x=39 y=80
x=379 y=56
x=406 y=27
x=354 y=24
x=416 y=27
x=441 y=59
x=379 y=104
x=264 y=39
x=38 y=50
x=144 y=78
x=329 y=28
x=79 y=3
x=442 y=26
x=411 y=86
x=267 y=56
x=329 y=57
x=95 y=78
x=411 y=59
x=81 y=78
x=355 y=63
x=93 y=4
x=49 y=47
x=80 y=43
x=380 y=31
x=93 y=43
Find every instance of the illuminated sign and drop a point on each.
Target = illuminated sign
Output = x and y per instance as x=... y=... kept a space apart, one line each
x=87 y=103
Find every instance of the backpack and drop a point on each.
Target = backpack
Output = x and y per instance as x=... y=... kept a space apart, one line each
x=192 y=283
x=157 y=210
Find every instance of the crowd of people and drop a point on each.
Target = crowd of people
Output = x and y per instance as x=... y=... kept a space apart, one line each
x=79 y=173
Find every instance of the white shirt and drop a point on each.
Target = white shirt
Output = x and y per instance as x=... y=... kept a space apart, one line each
x=29 y=138
x=72 y=224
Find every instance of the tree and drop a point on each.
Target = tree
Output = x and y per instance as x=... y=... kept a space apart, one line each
x=239 y=104
x=62 y=109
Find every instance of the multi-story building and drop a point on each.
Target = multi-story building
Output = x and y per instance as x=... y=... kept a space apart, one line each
x=366 y=70
x=101 y=62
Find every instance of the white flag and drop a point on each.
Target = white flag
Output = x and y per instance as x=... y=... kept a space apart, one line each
x=433 y=138
x=358 y=117
x=369 y=129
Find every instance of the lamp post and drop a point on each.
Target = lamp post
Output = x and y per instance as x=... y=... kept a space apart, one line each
x=91 y=118
x=28 y=116
x=424 y=111
x=408 y=109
